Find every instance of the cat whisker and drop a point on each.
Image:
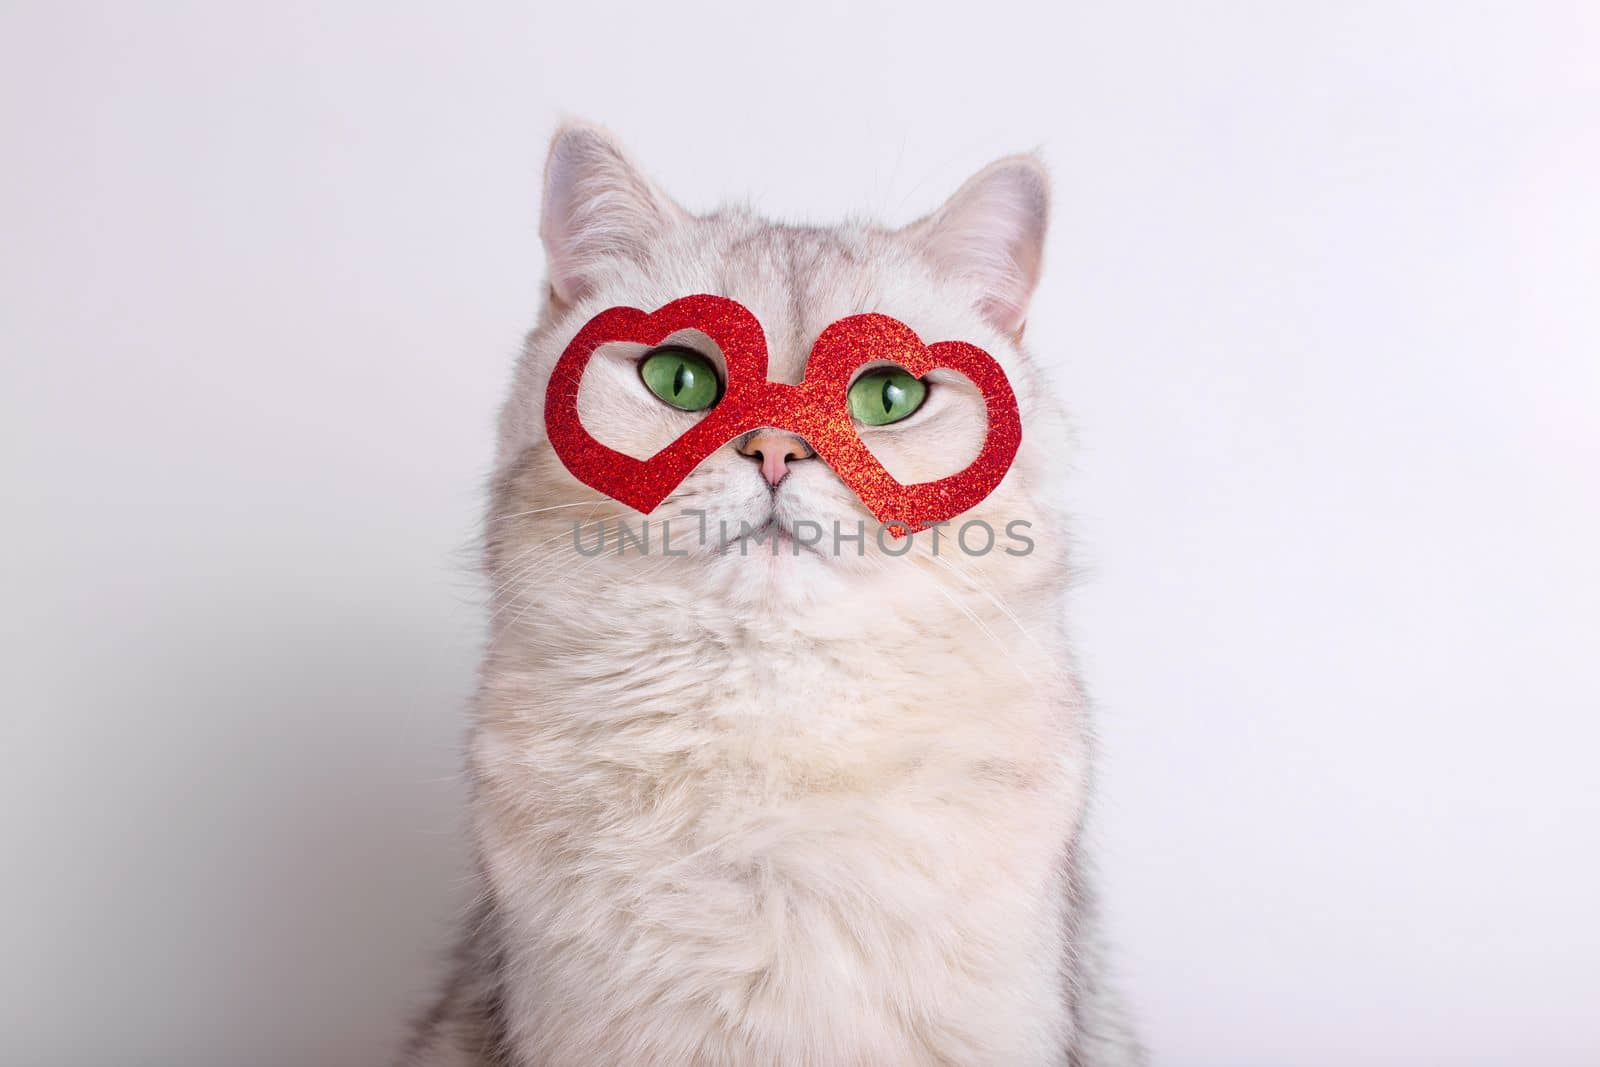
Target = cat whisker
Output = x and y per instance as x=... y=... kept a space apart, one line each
x=552 y=507
x=564 y=581
x=1025 y=673
x=524 y=563
x=515 y=570
x=982 y=587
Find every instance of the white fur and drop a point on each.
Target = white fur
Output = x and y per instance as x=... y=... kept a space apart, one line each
x=775 y=809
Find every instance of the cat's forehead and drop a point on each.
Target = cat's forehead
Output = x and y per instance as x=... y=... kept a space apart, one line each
x=797 y=280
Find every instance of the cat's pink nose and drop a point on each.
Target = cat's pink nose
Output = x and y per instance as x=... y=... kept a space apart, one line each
x=774 y=450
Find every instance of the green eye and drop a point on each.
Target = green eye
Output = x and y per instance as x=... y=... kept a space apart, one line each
x=880 y=397
x=682 y=377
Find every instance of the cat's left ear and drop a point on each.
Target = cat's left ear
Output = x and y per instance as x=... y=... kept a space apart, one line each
x=990 y=235
x=597 y=206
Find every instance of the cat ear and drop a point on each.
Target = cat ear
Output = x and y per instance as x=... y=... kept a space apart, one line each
x=597 y=205
x=990 y=235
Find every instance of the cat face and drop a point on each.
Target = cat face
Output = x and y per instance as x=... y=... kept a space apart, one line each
x=763 y=520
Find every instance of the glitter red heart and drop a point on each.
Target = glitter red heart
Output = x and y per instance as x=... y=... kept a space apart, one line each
x=816 y=408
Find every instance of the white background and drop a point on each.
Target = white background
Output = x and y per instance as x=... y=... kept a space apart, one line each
x=1322 y=293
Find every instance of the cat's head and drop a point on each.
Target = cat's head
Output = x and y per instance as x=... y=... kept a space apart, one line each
x=612 y=237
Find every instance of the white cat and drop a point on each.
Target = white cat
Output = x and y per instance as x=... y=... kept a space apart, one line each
x=812 y=806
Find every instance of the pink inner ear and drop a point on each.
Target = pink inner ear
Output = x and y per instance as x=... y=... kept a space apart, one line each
x=990 y=236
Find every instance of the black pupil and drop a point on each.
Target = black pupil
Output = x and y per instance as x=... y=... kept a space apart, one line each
x=891 y=394
x=681 y=378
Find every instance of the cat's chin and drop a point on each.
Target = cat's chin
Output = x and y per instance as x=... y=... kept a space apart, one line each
x=771 y=538
x=772 y=569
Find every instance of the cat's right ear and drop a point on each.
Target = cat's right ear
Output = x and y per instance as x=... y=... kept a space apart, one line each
x=597 y=206
x=990 y=236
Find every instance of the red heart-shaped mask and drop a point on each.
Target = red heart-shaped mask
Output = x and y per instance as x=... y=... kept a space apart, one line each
x=817 y=409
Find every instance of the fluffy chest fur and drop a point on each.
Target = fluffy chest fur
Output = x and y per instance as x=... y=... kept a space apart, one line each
x=813 y=841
